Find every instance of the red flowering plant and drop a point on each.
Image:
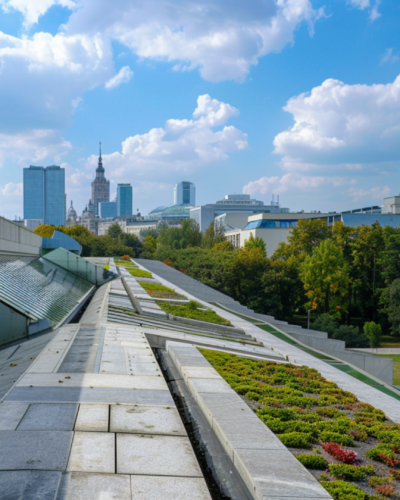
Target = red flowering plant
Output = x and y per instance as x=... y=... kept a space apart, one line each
x=336 y=451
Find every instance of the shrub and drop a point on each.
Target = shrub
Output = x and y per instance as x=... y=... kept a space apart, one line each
x=329 y=412
x=347 y=457
x=252 y=395
x=125 y=257
x=376 y=480
x=383 y=453
x=385 y=489
x=313 y=462
x=350 y=472
x=373 y=332
x=284 y=414
x=358 y=433
x=297 y=440
x=335 y=437
x=299 y=426
x=340 y=490
x=395 y=474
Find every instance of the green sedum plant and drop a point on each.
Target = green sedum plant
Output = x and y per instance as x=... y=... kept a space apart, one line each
x=351 y=472
x=313 y=462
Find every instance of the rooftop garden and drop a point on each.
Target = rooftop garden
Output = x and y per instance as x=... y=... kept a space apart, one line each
x=139 y=273
x=160 y=291
x=193 y=310
x=351 y=447
x=125 y=263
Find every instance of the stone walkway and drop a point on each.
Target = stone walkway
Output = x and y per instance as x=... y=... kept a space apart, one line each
x=92 y=419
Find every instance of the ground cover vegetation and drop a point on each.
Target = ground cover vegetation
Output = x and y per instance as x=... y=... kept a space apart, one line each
x=139 y=273
x=193 y=310
x=160 y=291
x=350 y=446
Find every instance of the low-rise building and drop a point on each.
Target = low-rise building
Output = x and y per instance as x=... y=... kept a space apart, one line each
x=232 y=203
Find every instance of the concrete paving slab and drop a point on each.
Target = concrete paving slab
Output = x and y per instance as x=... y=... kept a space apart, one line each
x=92 y=380
x=144 y=368
x=192 y=361
x=224 y=406
x=136 y=345
x=199 y=385
x=22 y=450
x=92 y=452
x=92 y=418
x=146 y=420
x=88 y=395
x=249 y=433
x=199 y=372
x=268 y=474
x=169 y=488
x=82 y=486
x=49 y=417
x=11 y=414
x=113 y=362
x=156 y=456
x=29 y=485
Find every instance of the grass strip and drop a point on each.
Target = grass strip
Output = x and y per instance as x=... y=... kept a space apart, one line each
x=191 y=311
x=139 y=273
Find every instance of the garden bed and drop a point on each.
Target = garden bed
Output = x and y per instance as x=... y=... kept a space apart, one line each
x=192 y=311
x=139 y=273
x=351 y=447
x=160 y=291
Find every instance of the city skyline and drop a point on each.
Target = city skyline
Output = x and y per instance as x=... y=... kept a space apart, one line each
x=310 y=112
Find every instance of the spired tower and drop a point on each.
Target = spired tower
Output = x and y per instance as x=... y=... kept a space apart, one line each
x=100 y=186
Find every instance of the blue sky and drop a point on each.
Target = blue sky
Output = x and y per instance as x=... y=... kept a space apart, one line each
x=296 y=98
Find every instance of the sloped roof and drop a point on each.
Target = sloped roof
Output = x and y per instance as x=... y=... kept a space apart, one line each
x=39 y=289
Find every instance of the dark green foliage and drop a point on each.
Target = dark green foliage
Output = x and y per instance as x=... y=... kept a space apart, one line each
x=393 y=308
x=340 y=490
x=351 y=472
x=373 y=332
x=313 y=462
x=297 y=440
x=187 y=311
x=350 y=334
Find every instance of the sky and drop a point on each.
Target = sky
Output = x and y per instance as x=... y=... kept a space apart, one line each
x=296 y=98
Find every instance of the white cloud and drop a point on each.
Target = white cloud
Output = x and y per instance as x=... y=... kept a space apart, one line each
x=222 y=39
x=182 y=145
x=12 y=191
x=123 y=76
x=290 y=181
x=32 y=147
x=43 y=76
x=389 y=56
x=376 y=193
x=371 y=5
x=33 y=9
x=339 y=126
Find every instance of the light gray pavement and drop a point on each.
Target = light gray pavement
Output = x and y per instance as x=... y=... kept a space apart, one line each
x=91 y=418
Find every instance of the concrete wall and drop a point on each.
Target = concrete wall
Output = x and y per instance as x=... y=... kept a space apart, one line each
x=381 y=368
x=17 y=240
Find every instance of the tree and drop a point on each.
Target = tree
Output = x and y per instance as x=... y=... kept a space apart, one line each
x=115 y=231
x=325 y=278
x=392 y=297
x=132 y=241
x=224 y=246
x=308 y=234
x=373 y=332
x=44 y=230
x=255 y=243
x=349 y=334
x=213 y=234
x=149 y=231
x=390 y=258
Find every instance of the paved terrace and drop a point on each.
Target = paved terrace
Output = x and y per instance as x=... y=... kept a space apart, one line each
x=92 y=419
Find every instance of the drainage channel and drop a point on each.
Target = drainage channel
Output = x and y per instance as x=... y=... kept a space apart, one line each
x=223 y=481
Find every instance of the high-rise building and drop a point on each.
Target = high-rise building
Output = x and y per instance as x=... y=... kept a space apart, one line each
x=100 y=186
x=107 y=209
x=44 y=194
x=185 y=194
x=124 y=199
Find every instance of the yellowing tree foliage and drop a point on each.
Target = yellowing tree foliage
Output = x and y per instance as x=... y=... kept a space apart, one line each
x=325 y=277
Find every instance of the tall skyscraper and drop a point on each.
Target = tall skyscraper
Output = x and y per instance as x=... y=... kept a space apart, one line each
x=124 y=199
x=185 y=194
x=44 y=194
x=100 y=186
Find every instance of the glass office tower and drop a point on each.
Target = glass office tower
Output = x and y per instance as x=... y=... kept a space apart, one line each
x=34 y=193
x=185 y=193
x=124 y=199
x=44 y=194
